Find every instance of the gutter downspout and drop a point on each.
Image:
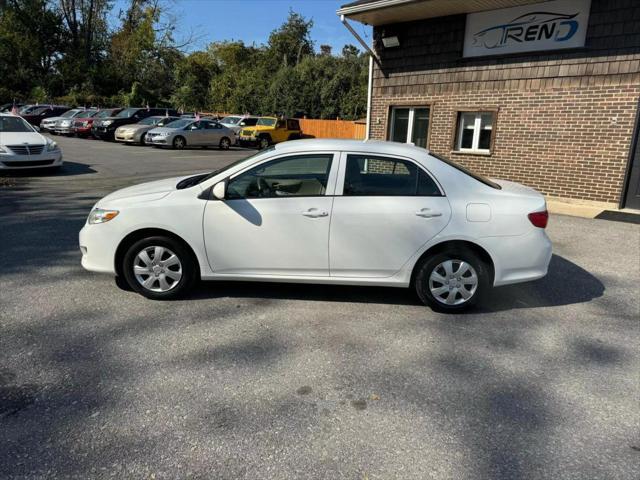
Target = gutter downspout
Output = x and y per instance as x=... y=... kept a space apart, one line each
x=372 y=58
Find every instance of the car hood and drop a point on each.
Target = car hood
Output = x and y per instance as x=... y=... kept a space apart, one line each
x=18 y=138
x=135 y=127
x=145 y=192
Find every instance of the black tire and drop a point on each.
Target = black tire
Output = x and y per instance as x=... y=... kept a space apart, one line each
x=263 y=142
x=225 y=143
x=188 y=268
x=427 y=266
x=143 y=142
x=179 y=143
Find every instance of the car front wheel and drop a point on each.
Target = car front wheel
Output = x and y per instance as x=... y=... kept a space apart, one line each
x=179 y=143
x=451 y=281
x=160 y=268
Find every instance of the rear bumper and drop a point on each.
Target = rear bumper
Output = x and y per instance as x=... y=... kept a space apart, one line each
x=522 y=258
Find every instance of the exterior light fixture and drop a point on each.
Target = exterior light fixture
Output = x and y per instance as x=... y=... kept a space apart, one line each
x=390 y=42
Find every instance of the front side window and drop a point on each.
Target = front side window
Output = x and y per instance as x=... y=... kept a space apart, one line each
x=296 y=176
x=368 y=175
x=475 y=130
x=410 y=125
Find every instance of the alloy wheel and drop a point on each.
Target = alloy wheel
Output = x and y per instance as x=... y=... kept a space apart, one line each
x=453 y=282
x=157 y=268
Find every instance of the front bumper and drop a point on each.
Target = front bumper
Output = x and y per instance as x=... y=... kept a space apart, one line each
x=131 y=137
x=98 y=248
x=22 y=162
x=103 y=132
x=82 y=131
x=64 y=130
x=247 y=142
x=160 y=141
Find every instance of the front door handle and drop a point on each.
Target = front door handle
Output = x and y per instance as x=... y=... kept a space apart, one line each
x=315 y=213
x=427 y=213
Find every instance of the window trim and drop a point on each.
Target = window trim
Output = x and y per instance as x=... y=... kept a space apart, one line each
x=412 y=108
x=455 y=137
x=331 y=177
x=339 y=189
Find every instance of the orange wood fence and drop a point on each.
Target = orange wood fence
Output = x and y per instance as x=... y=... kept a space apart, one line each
x=332 y=129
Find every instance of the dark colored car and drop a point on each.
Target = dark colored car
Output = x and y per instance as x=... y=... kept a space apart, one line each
x=82 y=126
x=105 y=128
x=8 y=106
x=39 y=114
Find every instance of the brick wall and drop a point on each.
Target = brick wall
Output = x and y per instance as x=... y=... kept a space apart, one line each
x=564 y=121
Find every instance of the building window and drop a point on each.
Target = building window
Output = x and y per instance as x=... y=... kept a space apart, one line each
x=410 y=125
x=474 y=132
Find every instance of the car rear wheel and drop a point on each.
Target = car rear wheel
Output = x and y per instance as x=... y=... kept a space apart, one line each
x=452 y=280
x=179 y=143
x=225 y=143
x=160 y=268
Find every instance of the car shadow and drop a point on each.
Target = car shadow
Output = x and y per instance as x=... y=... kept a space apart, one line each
x=565 y=284
x=68 y=169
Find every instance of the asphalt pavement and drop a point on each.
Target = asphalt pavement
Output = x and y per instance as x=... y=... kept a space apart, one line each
x=270 y=381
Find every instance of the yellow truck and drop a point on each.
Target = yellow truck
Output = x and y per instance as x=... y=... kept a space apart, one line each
x=270 y=130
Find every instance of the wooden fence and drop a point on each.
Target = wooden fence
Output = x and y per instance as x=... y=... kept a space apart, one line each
x=332 y=129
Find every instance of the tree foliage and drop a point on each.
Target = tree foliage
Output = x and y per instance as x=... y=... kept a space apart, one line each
x=65 y=50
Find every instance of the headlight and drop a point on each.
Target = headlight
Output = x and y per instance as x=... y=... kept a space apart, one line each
x=51 y=146
x=99 y=215
x=85 y=124
x=106 y=123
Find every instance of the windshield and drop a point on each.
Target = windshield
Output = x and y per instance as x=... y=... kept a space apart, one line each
x=479 y=178
x=104 y=113
x=231 y=120
x=268 y=122
x=70 y=113
x=149 y=121
x=195 y=180
x=30 y=109
x=127 y=113
x=38 y=111
x=14 y=124
x=90 y=113
x=180 y=123
x=80 y=113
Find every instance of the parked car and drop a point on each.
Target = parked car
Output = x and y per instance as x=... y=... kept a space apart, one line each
x=192 y=133
x=27 y=109
x=49 y=123
x=270 y=130
x=238 y=122
x=22 y=146
x=37 y=115
x=399 y=215
x=66 y=126
x=137 y=132
x=82 y=125
x=105 y=128
x=7 y=107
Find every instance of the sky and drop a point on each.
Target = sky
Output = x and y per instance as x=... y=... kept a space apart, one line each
x=253 y=20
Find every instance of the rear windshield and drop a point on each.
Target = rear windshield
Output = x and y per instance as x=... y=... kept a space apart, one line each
x=466 y=171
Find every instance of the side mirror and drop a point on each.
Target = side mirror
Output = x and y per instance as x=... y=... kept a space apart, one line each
x=220 y=190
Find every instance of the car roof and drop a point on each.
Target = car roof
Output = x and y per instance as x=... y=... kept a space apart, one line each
x=368 y=146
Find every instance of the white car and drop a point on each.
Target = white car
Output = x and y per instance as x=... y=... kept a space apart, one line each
x=21 y=146
x=324 y=211
x=238 y=122
x=49 y=124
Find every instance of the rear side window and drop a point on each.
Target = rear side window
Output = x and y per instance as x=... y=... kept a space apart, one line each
x=293 y=125
x=368 y=175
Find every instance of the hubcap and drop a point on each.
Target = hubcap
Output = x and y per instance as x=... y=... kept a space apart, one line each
x=179 y=143
x=453 y=282
x=157 y=269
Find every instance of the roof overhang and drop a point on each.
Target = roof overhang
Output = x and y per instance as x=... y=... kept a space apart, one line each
x=384 y=12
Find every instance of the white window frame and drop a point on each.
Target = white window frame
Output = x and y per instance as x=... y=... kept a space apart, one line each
x=477 y=125
x=412 y=112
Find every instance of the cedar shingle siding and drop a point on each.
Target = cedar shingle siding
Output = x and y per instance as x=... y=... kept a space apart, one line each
x=564 y=120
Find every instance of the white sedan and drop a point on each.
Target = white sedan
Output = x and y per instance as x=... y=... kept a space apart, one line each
x=324 y=211
x=21 y=146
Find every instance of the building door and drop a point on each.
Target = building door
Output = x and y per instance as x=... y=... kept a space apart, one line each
x=410 y=125
x=632 y=197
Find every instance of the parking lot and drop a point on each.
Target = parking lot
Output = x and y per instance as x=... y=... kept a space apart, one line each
x=249 y=380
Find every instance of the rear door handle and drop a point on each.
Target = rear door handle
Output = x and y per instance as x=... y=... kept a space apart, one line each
x=427 y=213
x=315 y=213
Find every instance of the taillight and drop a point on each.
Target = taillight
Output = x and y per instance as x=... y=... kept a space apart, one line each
x=539 y=219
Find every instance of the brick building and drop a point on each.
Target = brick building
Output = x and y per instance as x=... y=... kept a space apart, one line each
x=543 y=93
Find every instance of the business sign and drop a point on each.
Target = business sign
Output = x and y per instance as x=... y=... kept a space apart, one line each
x=541 y=26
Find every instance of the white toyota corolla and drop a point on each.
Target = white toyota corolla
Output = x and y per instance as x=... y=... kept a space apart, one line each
x=324 y=211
